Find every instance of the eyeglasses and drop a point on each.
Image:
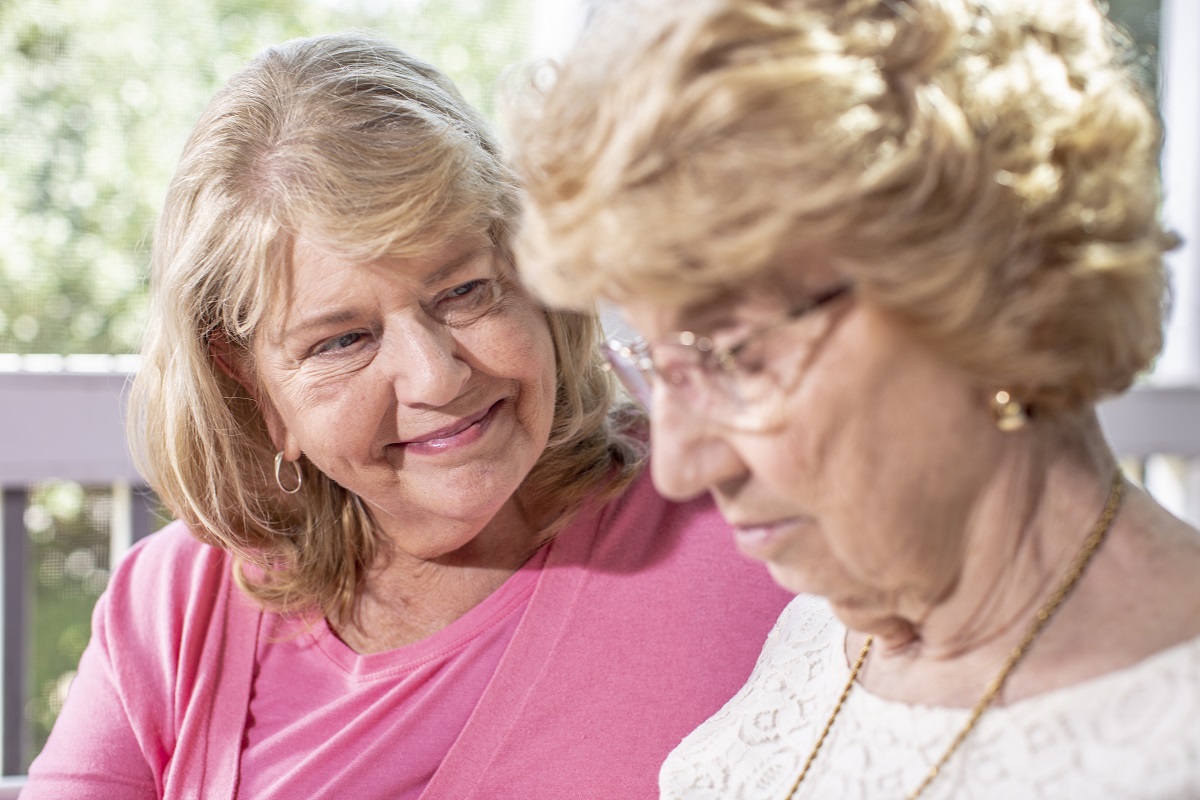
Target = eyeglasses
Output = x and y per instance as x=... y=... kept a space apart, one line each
x=741 y=386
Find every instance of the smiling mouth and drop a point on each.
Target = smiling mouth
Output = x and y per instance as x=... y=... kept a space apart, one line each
x=450 y=431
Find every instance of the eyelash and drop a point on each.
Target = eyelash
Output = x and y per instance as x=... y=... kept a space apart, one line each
x=464 y=291
x=325 y=347
x=467 y=302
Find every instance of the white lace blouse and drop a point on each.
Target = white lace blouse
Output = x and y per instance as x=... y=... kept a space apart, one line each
x=1134 y=733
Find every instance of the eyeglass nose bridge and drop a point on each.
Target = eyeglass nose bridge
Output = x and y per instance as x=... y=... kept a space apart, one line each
x=636 y=366
x=632 y=368
x=620 y=356
x=688 y=339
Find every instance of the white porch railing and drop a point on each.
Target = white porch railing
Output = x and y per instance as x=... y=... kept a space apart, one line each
x=54 y=426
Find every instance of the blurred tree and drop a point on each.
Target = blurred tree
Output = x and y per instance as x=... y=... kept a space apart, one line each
x=98 y=97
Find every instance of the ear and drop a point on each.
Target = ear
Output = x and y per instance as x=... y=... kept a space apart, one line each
x=229 y=361
x=233 y=363
x=279 y=432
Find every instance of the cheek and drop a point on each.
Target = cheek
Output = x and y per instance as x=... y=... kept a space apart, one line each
x=546 y=375
x=898 y=480
x=326 y=428
x=810 y=456
x=525 y=347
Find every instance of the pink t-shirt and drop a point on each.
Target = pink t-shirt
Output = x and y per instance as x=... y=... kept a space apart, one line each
x=641 y=622
x=406 y=706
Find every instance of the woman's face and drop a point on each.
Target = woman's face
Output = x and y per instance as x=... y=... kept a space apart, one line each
x=861 y=490
x=424 y=385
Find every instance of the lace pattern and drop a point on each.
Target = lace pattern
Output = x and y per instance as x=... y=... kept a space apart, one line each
x=1134 y=733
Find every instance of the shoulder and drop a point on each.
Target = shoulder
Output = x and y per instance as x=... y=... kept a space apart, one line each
x=171 y=561
x=804 y=642
x=173 y=544
x=1131 y=733
x=640 y=508
x=642 y=531
x=167 y=668
x=1156 y=698
x=165 y=581
x=681 y=553
x=739 y=750
x=171 y=612
x=808 y=620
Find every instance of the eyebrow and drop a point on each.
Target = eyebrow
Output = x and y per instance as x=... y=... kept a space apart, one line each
x=339 y=317
x=455 y=264
x=714 y=312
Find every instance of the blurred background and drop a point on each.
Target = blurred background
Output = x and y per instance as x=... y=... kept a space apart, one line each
x=96 y=99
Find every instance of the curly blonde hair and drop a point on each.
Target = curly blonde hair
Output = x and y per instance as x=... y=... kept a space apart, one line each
x=372 y=153
x=985 y=170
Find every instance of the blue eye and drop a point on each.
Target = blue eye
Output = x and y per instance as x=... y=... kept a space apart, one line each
x=340 y=342
x=468 y=302
x=465 y=289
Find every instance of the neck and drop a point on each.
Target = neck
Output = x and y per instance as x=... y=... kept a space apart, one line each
x=1028 y=523
x=407 y=597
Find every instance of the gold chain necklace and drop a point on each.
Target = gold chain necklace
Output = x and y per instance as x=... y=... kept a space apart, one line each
x=1090 y=546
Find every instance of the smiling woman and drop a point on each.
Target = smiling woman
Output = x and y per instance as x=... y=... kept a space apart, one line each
x=416 y=555
x=436 y=371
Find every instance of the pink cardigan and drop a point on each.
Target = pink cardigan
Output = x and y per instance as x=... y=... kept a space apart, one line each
x=644 y=621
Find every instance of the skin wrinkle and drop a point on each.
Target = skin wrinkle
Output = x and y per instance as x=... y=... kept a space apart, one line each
x=967 y=594
x=410 y=375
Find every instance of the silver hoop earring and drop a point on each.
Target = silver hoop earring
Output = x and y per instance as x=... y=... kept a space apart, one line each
x=299 y=475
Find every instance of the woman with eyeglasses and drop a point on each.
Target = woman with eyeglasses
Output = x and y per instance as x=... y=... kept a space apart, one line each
x=416 y=555
x=886 y=256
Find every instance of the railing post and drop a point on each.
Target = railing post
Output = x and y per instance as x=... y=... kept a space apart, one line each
x=14 y=637
x=141 y=512
x=120 y=532
x=132 y=519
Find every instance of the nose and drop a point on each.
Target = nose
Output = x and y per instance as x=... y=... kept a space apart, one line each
x=690 y=453
x=428 y=368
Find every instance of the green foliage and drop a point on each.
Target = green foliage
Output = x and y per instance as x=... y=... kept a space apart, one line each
x=99 y=97
x=68 y=528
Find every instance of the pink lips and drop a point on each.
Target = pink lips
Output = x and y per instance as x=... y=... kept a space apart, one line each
x=461 y=433
x=758 y=540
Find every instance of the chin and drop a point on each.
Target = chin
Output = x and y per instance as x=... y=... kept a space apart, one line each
x=791 y=578
x=869 y=613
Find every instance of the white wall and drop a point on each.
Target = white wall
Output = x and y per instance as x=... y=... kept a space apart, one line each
x=1180 y=82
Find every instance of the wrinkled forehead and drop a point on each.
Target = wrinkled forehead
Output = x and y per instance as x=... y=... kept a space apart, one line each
x=306 y=271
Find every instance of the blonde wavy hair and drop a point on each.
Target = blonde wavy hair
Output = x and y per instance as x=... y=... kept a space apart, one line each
x=370 y=152
x=986 y=170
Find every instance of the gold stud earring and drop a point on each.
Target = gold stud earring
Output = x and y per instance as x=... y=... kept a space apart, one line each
x=1010 y=415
